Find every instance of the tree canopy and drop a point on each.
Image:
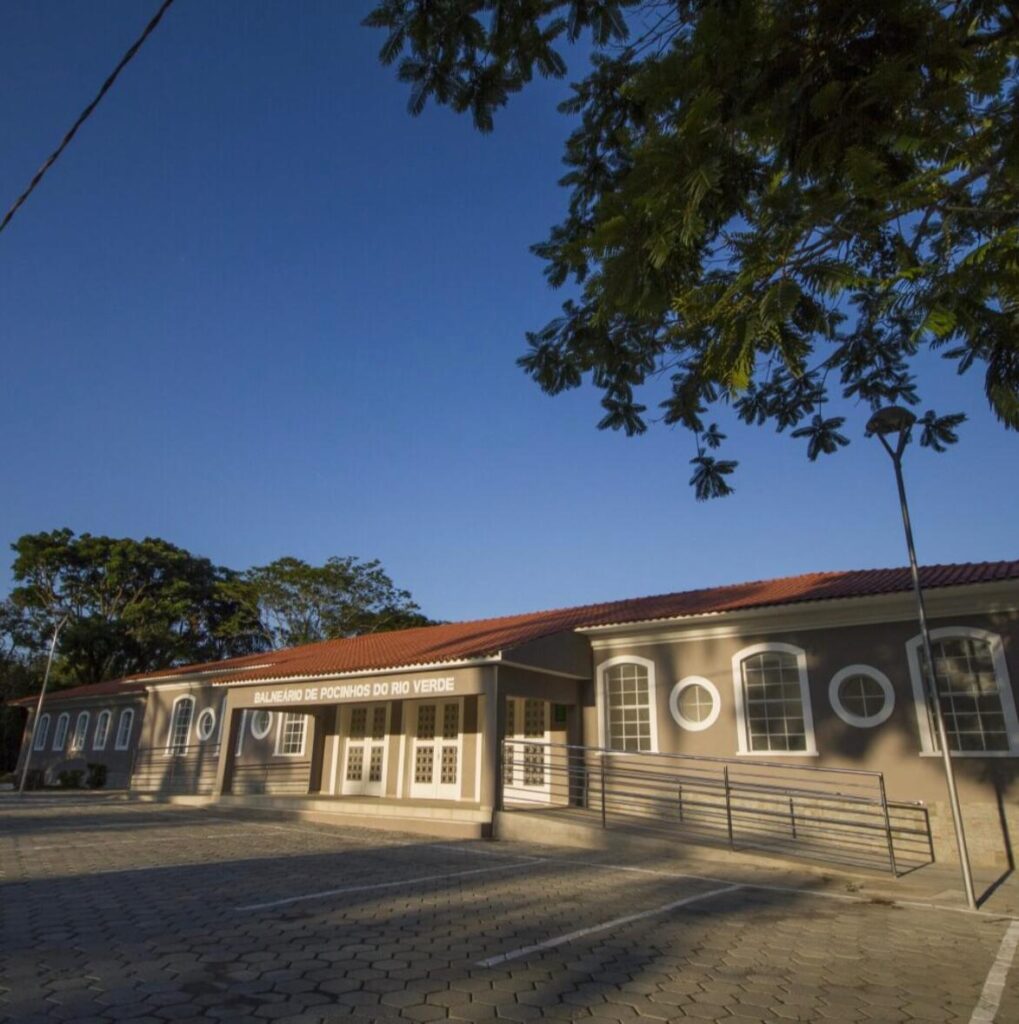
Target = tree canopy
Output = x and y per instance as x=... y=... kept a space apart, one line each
x=297 y=603
x=134 y=606
x=773 y=207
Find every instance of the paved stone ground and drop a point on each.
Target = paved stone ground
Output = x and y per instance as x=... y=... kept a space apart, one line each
x=111 y=911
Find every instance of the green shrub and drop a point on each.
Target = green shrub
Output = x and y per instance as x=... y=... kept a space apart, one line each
x=96 y=776
x=71 y=779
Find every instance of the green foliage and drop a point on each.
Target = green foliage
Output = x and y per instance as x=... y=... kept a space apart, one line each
x=96 y=777
x=296 y=603
x=771 y=204
x=135 y=606
x=132 y=605
x=20 y=672
x=70 y=779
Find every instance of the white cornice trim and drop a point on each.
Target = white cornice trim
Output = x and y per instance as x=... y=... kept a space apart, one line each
x=972 y=599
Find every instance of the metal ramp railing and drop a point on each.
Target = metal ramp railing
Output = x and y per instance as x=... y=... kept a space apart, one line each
x=838 y=815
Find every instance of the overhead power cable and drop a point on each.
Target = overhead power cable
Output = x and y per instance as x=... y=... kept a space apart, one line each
x=83 y=116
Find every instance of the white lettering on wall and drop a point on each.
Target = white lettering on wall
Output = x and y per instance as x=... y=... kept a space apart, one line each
x=337 y=692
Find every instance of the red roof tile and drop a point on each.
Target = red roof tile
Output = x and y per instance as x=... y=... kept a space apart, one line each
x=111 y=688
x=459 y=641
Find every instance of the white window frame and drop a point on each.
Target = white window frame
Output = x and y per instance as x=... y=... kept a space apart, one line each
x=60 y=732
x=41 y=733
x=254 y=718
x=928 y=744
x=742 y=735
x=716 y=709
x=80 y=732
x=282 y=716
x=205 y=715
x=603 y=704
x=122 y=741
x=847 y=716
x=102 y=734
x=171 y=747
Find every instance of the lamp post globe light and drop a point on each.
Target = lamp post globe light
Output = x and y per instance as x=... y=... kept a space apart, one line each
x=892 y=427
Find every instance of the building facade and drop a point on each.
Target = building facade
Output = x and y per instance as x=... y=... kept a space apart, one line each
x=821 y=670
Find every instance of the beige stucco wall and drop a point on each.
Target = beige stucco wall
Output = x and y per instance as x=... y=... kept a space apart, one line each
x=118 y=762
x=989 y=786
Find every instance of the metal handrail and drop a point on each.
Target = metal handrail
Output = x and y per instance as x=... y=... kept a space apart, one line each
x=755 y=803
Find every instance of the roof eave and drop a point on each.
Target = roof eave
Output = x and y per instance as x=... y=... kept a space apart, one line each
x=990 y=591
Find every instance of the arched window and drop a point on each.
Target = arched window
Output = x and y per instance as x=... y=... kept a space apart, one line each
x=124 y=725
x=626 y=686
x=60 y=733
x=42 y=732
x=773 y=700
x=80 y=731
x=180 y=725
x=973 y=689
x=102 y=730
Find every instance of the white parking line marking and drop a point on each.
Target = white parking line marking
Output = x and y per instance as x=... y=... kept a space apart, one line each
x=502 y=958
x=530 y=862
x=990 y=998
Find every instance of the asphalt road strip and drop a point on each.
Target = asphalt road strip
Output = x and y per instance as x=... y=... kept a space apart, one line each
x=530 y=862
x=561 y=940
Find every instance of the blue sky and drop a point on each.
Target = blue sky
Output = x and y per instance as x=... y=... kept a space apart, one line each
x=257 y=309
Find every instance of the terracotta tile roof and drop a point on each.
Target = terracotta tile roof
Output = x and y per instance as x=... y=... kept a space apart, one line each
x=459 y=641
x=111 y=688
x=224 y=664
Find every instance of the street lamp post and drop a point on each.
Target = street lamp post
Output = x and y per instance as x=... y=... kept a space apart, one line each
x=38 y=706
x=885 y=423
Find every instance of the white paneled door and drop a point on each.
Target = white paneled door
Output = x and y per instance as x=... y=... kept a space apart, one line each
x=525 y=769
x=363 y=772
x=437 y=750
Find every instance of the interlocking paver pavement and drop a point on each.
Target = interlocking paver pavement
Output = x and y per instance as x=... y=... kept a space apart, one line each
x=114 y=911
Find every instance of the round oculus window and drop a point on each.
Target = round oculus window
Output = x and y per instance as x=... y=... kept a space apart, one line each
x=694 y=703
x=206 y=724
x=861 y=695
x=261 y=723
